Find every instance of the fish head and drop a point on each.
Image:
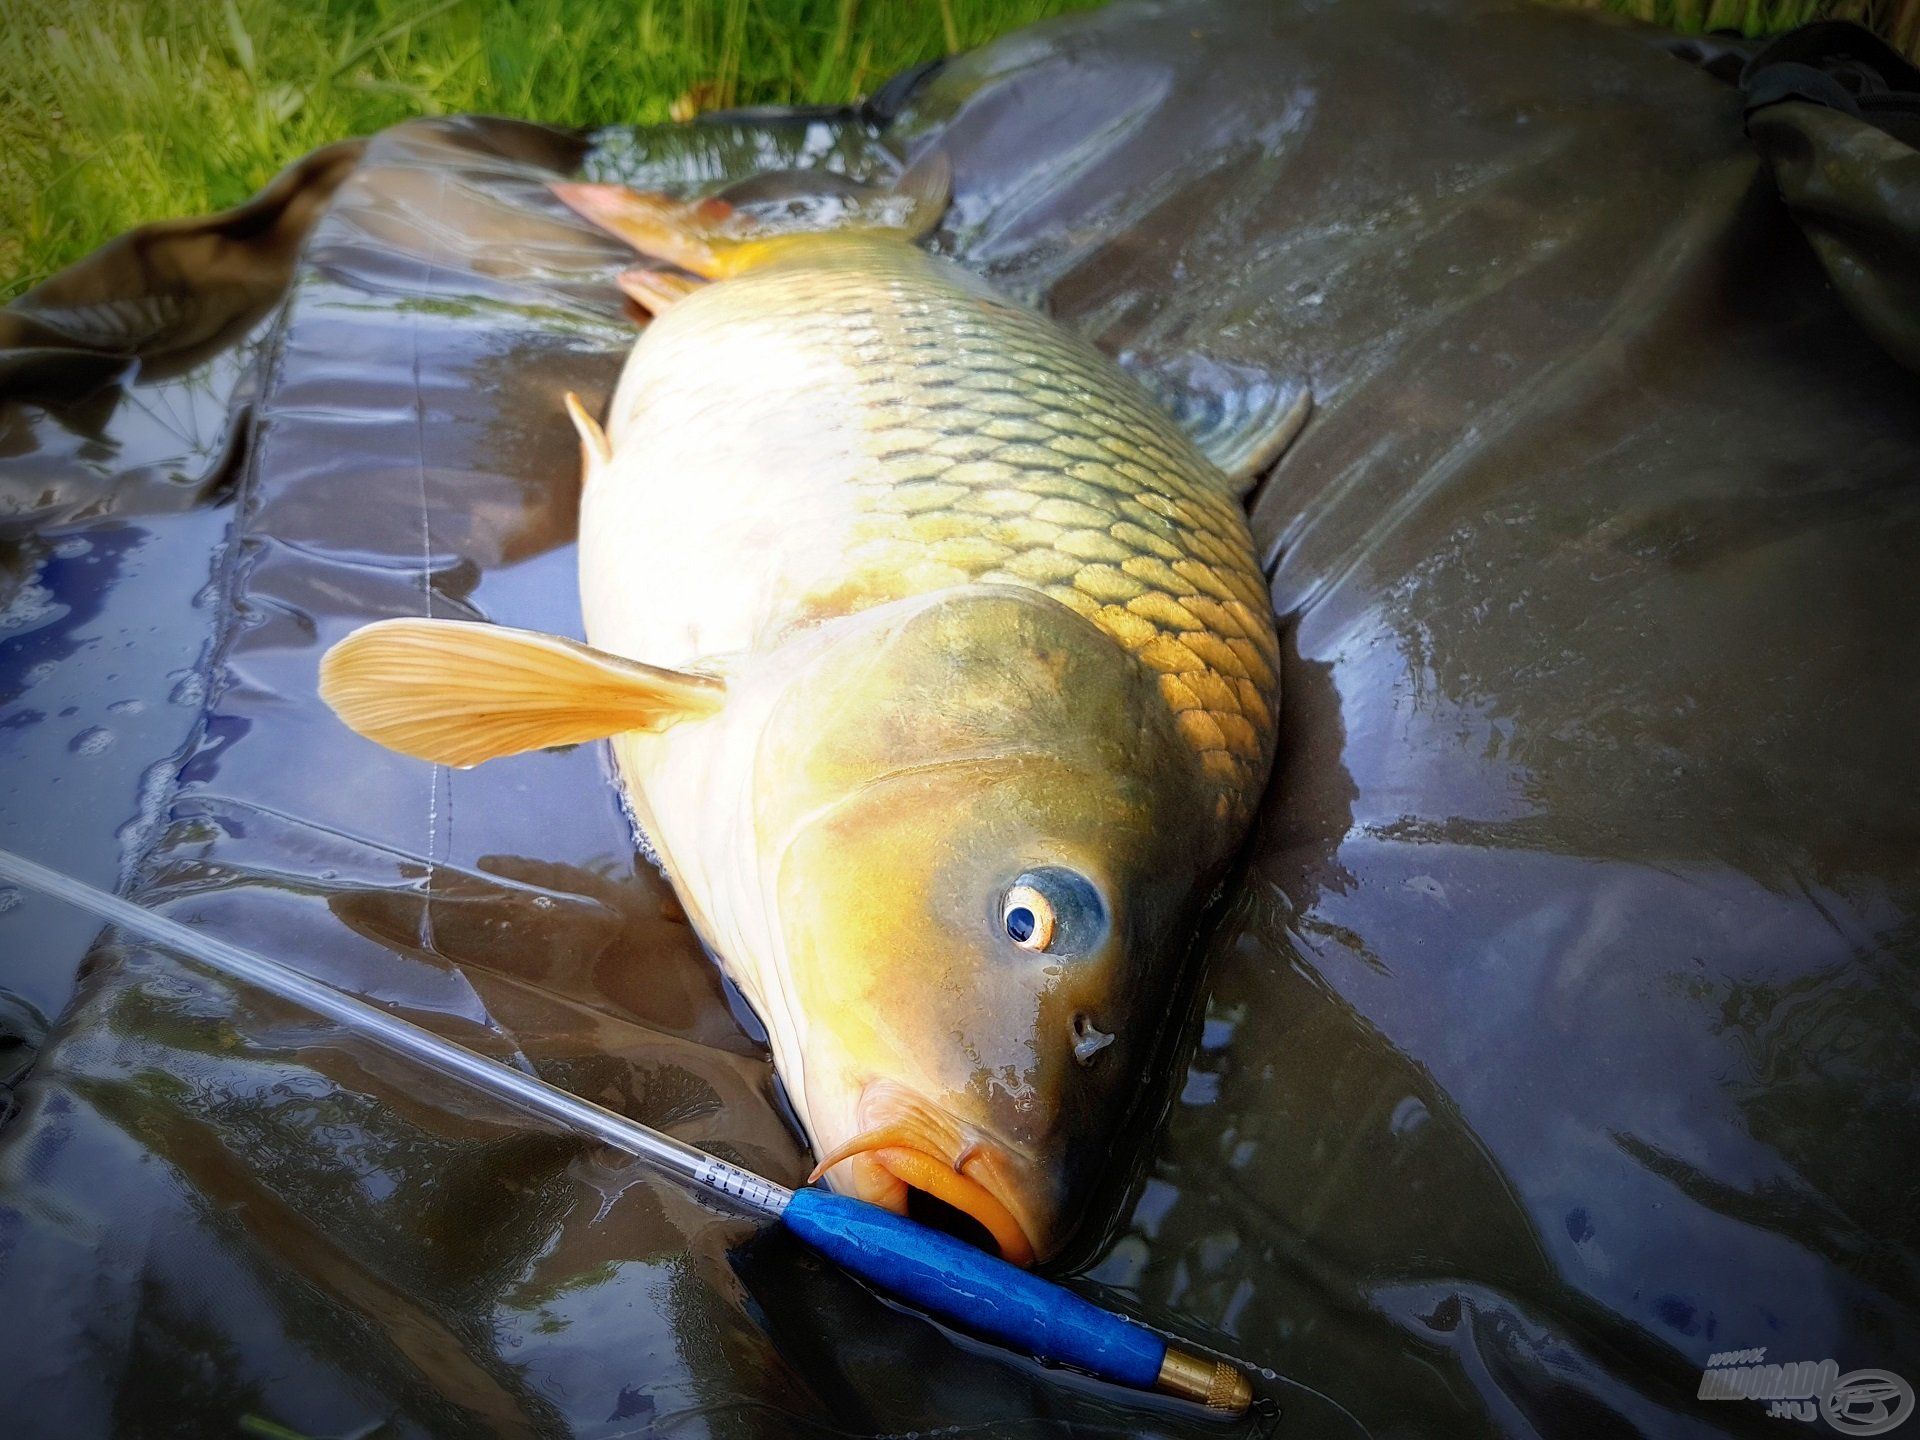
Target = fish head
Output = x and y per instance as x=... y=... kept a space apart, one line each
x=983 y=842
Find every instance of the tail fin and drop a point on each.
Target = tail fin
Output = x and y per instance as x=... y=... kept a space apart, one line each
x=748 y=224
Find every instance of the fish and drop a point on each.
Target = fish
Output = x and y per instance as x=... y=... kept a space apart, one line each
x=938 y=668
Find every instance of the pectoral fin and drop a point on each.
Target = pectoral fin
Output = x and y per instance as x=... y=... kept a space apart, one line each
x=457 y=693
x=1240 y=417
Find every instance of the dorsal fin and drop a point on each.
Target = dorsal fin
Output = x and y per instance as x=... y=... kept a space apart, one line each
x=927 y=188
x=1239 y=416
x=458 y=692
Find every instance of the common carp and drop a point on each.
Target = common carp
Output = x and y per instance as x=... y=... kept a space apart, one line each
x=939 y=672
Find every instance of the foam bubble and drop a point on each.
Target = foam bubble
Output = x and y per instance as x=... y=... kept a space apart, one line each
x=94 y=740
x=189 y=689
x=32 y=605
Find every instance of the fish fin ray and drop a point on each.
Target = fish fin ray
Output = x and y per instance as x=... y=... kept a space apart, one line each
x=656 y=290
x=459 y=692
x=595 y=450
x=656 y=225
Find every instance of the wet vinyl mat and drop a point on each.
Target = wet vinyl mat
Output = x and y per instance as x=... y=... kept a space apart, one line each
x=1557 y=1035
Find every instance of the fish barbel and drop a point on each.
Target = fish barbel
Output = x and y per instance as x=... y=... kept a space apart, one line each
x=939 y=671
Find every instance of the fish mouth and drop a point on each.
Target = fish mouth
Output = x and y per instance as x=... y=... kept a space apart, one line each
x=890 y=1162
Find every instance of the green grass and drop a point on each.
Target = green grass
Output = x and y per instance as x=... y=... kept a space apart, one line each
x=1898 y=20
x=116 y=112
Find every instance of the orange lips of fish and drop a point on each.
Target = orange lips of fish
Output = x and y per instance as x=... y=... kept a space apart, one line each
x=919 y=1153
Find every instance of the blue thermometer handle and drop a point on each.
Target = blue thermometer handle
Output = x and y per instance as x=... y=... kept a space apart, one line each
x=989 y=1297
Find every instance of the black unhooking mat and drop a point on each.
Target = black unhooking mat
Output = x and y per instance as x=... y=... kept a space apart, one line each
x=1560 y=1034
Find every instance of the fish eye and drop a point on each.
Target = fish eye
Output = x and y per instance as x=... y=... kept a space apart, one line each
x=1052 y=911
x=1028 y=916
